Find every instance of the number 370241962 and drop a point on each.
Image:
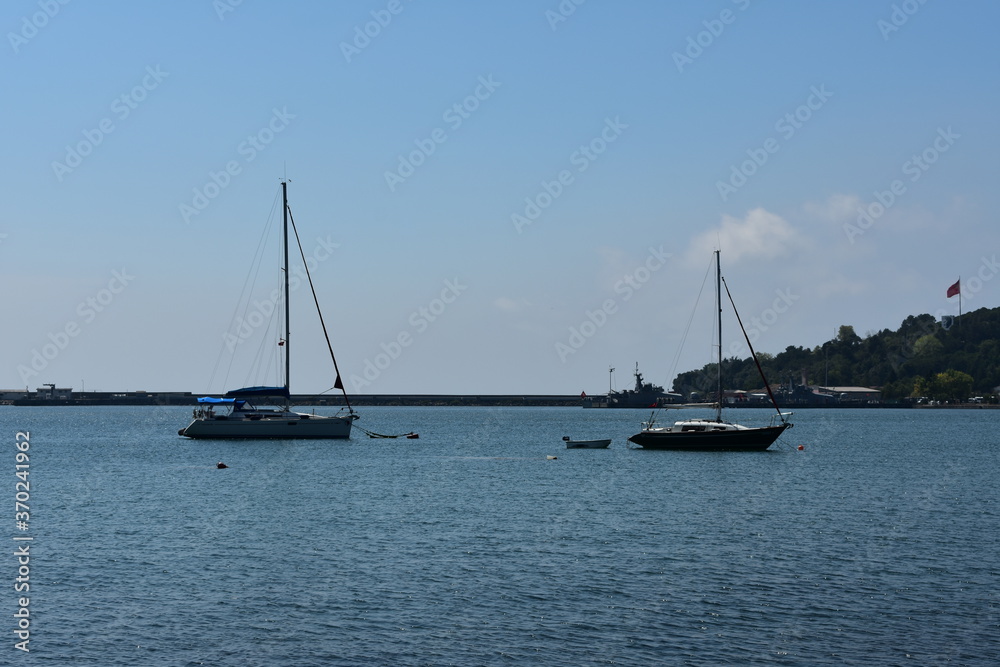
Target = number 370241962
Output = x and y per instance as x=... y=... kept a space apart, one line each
x=22 y=488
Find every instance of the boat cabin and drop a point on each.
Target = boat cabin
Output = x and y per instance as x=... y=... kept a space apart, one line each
x=694 y=426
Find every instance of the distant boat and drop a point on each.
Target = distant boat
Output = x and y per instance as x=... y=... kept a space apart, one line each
x=242 y=419
x=714 y=434
x=644 y=395
x=585 y=444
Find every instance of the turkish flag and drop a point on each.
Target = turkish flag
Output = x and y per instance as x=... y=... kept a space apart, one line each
x=954 y=289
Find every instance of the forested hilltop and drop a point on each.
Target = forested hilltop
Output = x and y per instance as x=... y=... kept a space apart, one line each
x=920 y=359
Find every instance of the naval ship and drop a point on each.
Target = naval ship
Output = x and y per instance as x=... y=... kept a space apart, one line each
x=645 y=395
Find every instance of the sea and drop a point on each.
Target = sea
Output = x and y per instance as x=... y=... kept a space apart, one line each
x=862 y=537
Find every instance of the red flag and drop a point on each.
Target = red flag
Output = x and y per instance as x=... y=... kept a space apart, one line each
x=338 y=384
x=954 y=289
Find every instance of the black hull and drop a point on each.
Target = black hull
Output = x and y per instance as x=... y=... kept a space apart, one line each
x=747 y=440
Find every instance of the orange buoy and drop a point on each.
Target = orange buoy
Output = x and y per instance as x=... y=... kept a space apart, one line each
x=801 y=447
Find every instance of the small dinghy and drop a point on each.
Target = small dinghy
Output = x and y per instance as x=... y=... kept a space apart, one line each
x=586 y=444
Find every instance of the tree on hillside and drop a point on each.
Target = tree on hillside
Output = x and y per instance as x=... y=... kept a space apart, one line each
x=951 y=385
x=927 y=346
x=847 y=335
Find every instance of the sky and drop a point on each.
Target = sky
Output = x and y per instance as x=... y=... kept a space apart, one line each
x=495 y=198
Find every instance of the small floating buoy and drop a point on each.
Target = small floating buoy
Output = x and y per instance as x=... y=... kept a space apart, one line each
x=801 y=447
x=221 y=465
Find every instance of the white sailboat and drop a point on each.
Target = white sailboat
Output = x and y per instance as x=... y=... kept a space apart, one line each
x=240 y=418
x=712 y=435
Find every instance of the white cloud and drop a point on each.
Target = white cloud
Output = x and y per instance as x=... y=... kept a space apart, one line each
x=759 y=235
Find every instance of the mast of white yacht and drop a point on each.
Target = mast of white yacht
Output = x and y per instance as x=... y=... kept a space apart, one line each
x=718 y=303
x=287 y=346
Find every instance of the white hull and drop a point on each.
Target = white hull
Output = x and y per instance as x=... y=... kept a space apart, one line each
x=272 y=426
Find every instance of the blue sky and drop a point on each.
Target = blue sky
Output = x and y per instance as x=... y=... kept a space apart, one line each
x=523 y=193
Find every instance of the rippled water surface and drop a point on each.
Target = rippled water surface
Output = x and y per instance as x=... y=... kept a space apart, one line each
x=875 y=544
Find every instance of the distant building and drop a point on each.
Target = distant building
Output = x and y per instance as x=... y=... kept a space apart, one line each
x=12 y=394
x=853 y=394
x=51 y=392
x=735 y=396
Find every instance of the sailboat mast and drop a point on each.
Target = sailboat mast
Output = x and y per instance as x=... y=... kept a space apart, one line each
x=718 y=303
x=288 y=346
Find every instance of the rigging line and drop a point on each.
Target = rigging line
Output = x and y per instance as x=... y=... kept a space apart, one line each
x=266 y=357
x=753 y=354
x=254 y=269
x=250 y=281
x=268 y=353
x=319 y=312
x=255 y=273
x=687 y=329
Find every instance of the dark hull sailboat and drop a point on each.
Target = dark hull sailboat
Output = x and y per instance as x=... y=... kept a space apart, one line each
x=740 y=439
x=714 y=435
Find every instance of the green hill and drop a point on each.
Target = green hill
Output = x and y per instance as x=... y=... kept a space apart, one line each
x=921 y=358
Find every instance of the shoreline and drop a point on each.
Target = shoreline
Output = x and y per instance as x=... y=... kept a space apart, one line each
x=429 y=400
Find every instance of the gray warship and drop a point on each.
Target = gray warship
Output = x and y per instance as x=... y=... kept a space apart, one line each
x=644 y=395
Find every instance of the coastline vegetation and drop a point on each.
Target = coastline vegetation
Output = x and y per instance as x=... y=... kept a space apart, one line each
x=923 y=358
